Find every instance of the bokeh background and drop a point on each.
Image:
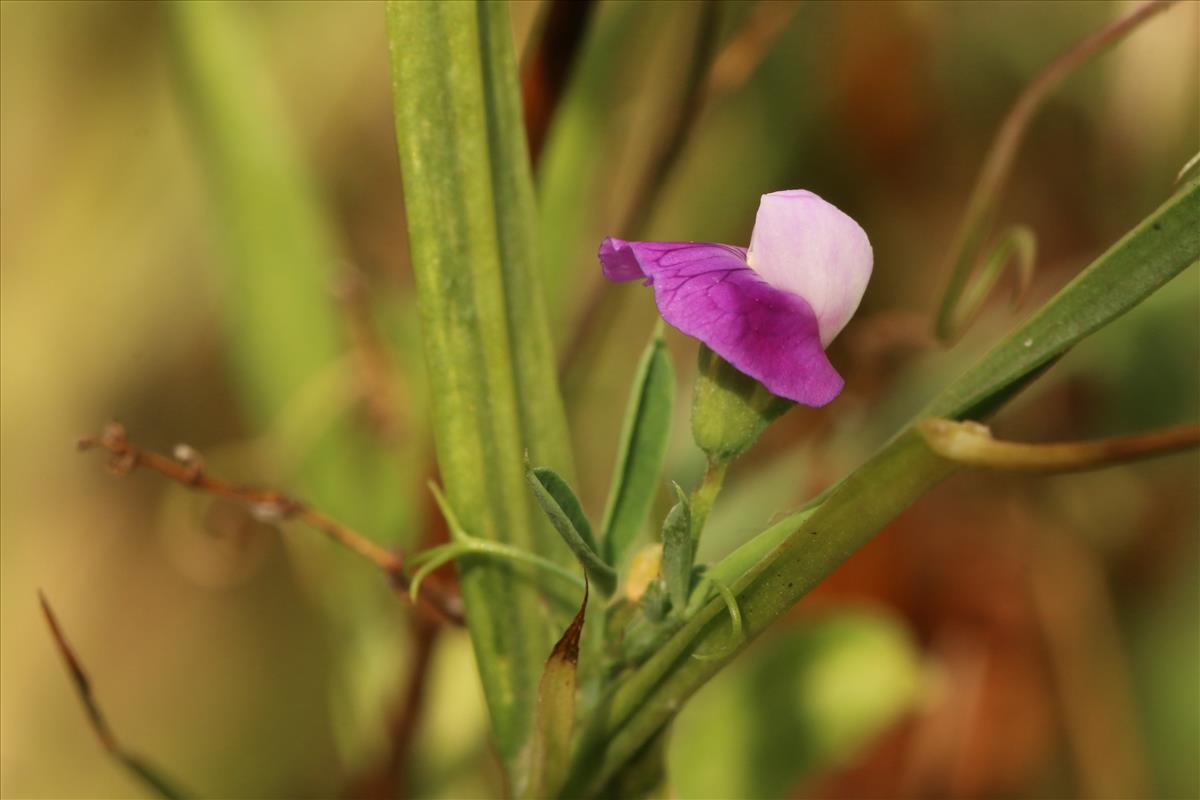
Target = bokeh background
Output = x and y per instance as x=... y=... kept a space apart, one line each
x=1007 y=637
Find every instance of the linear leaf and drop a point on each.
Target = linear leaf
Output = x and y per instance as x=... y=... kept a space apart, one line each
x=643 y=447
x=1162 y=246
x=566 y=499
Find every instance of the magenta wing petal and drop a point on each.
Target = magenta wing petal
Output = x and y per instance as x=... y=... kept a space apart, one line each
x=707 y=291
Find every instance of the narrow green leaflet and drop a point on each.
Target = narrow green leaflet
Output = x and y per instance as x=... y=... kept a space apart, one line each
x=813 y=542
x=1016 y=246
x=566 y=515
x=567 y=501
x=550 y=748
x=679 y=551
x=469 y=214
x=643 y=448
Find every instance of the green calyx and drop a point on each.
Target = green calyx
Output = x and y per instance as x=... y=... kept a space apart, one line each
x=729 y=409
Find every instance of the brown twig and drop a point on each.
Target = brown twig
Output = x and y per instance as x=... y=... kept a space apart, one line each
x=267 y=505
x=971 y=443
x=83 y=687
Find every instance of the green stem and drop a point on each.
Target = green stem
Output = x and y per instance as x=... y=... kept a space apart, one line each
x=706 y=494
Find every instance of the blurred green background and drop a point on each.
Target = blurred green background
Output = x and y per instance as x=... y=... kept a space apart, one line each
x=201 y=234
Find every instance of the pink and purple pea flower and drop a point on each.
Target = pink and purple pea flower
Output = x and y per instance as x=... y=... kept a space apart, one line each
x=769 y=310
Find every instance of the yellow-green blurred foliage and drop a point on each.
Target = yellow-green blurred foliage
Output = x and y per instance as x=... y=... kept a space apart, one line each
x=1027 y=636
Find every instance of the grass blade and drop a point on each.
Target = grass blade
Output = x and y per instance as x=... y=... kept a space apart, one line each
x=543 y=419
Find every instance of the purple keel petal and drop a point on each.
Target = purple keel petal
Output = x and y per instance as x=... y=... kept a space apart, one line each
x=707 y=291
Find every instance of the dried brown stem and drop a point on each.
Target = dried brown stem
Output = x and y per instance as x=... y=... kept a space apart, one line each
x=267 y=505
x=971 y=443
x=142 y=771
